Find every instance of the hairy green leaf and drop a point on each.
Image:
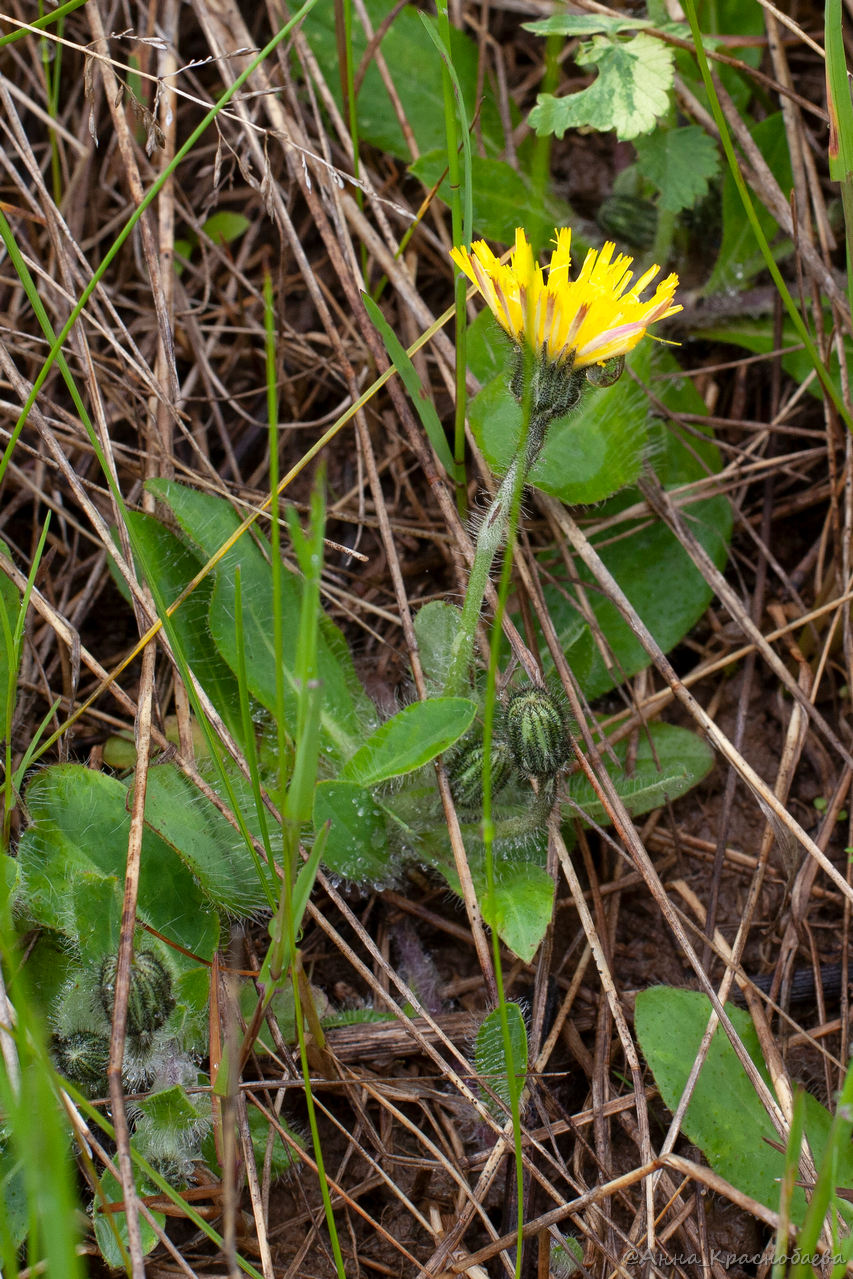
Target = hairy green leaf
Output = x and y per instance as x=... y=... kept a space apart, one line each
x=410 y=739
x=173 y=564
x=668 y=762
x=347 y=710
x=80 y=823
x=357 y=843
x=213 y=851
x=491 y=1057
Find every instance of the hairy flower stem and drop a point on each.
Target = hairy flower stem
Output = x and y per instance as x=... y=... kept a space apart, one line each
x=490 y=539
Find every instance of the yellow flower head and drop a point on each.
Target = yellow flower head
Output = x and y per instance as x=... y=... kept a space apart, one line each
x=577 y=322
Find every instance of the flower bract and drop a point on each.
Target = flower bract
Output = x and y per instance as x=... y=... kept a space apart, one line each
x=594 y=318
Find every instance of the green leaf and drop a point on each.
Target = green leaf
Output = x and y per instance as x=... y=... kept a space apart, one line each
x=213 y=851
x=590 y=453
x=669 y=761
x=757 y=334
x=724 y=18
x=523 y=902
x=79 y=827
x=14 y=1203
x=225 y=226
x=415 y=68
x=170 y=1107
x=357 y=844
x=740 y=259
x=586 y=24
x=112 y=1192
x=489 y=348
x=629 y=94
x=647 y=560
x=347 y=712
x=410 y=739
x=436 y=628
x=661 y=582
x=491 y=1057
x=502 y=199
x=725 y=1117
x=168 y=560
x=680 y=163
x=522 y=906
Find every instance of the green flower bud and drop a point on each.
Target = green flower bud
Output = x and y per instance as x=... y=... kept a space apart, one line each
x=538 y=732
x=83 y=1058
x=554 y=388
x=466 y=773
x=628 y=219
x=150 y=999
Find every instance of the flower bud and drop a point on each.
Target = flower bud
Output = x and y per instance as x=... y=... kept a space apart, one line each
x=554 y=389
x=150 y=999
x=83 y=1057
x=537 y=731
x=630 y=219
x=466 y=773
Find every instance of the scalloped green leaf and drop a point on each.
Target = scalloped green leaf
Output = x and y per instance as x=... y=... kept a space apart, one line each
x=680 y=163
x=630 y=92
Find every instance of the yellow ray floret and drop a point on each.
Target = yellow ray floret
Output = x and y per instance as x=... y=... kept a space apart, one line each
x=579 y=322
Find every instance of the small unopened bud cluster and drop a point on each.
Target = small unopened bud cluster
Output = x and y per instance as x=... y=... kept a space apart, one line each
x=537 y=729
x=149 y=1000
x=532 y=740
x=554 y=389
x=466 y=773
x=81 y=1044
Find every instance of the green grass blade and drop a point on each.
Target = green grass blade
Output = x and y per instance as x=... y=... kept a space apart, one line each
x=462 y=220
x=46 y=20
x=156 y=187
x=749 y=208
x=425 y=408
x=840 y=124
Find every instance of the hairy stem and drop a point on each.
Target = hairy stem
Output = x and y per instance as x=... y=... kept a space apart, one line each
x=490 y=539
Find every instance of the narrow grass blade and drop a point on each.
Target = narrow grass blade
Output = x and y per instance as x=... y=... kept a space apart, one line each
x=749 y=208
x=840 y=123
x=420 y=398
